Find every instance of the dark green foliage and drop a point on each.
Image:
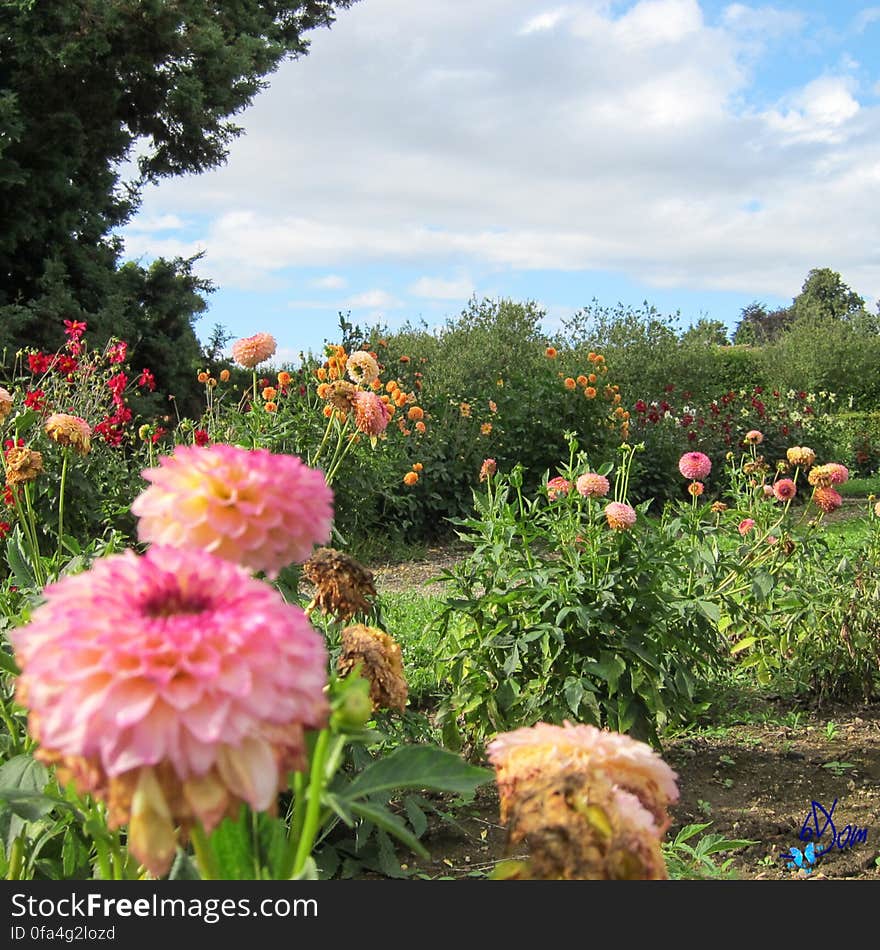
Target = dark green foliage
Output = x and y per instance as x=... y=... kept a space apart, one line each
x=81 y=83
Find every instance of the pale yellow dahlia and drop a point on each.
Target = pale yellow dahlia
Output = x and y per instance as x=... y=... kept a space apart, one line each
x=362 y=367
x=801 y=455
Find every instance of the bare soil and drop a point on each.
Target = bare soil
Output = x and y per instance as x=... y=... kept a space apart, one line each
x=756 y=778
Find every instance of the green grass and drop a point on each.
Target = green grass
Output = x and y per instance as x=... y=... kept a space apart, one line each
x=409 y=618
x=861 y=487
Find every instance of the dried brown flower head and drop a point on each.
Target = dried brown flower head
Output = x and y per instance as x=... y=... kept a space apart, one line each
x=381 y=663
x=340 y=394
x=22 y=465
x=343 y=584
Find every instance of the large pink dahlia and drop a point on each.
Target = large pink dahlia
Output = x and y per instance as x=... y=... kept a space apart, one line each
x=620 y=516
x=592 y=485
x=250 y=351
x=371 y=414
x=261 y=510
x=558 y=487
x=174 y=686
x=784 y=489
x=694 y=465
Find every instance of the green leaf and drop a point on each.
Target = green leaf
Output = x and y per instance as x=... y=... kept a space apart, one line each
x=389 y=822
x=184 y=868
x=23 y=773
x=416 y=816
x=231 y=841
x=574 y=692
x=18 y=564
x=8 y=664
x=743 y=644
x=709 y=610
x=417 y=766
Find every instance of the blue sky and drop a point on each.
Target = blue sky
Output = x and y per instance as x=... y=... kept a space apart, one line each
x=697 y=155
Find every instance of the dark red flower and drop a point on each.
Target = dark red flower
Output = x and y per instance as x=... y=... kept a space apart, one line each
x=5 y=528
x=201 y=437
x=10 y=444
x=669 y=388
x=33 y=399
x=39 y=363
x=158 y=434
x=641 y=406
x=66 y=365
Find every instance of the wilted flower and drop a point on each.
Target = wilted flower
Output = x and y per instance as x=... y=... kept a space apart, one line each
x=620 y=516
x=69 y=430
x=172 y=686
x=371 y=414
x=342 y=583
x=488 y=469
x=253 y=350
x=22 y=465
x=784 y=489
x=753 y=437
x=340 y=393
x=827 y=498
x=745 y=526
x=590 y=804
x=362 y=367
x=592 y=485
x=380 y=662
x=694 y=465
x=718 y=507
x=558 y=487
x=5 y=403
x=250 y=506
x=801 y=455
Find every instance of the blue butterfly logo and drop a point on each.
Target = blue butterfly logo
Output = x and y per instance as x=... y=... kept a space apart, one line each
x=802 y=860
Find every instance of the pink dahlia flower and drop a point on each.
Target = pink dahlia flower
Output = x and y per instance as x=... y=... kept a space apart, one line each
x=261 y=510
x=753 y=437
x=745 y=526
x=839 y=473
x=784 y=489
x=828 y=499
x=488 y=469
x=174 y=687
x=253 y=350
x=558 y=487
x=6 y=402
x=592 y=485
x=620 y=516
x=371 y=414
x=694 y=465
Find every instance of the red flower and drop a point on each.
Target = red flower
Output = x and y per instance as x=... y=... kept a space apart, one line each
x=669 y=388
x=74 y=329
x=8 y=497
x=641 y=406
x=116 y=353
x=802 y=395
x=116 y=384
x=201 y=437
x=34 y=399
x=10 y=444
x=66 y=365
x=147 y=379
x=5 y=528
x=39 y=363
x=158 y=434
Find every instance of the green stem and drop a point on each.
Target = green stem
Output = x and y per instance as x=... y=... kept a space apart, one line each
x=104 y=860
x=314 y=460
x=299 y=806
x=64 y=455
x=10 y=728
x=16 y=860
x=313 y=806
x=206 y=859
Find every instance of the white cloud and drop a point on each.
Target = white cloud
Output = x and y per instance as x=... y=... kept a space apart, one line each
x=163 y=222
x=373 y=299
x=330 y=282
x=436 y=288
x=543 y=21
x=630 y=143
x=819 y=111
x=866 y=17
